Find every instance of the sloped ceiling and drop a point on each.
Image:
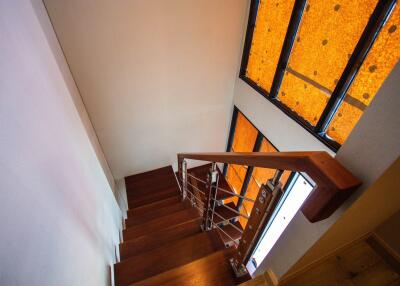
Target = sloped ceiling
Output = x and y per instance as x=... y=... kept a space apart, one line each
x=156 y=77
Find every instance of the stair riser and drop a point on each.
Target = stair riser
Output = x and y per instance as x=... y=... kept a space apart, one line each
x=136 y=220
x=158 y=239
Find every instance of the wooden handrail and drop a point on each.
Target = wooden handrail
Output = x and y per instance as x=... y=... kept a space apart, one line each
x=334 y=183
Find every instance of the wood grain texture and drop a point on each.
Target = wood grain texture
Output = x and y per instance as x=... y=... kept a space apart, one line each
x=334 y=183
x=157 y=212
x=161 y=223
x=164 y=235
x=357 y=264
x=212 y=270
x=173 y=255
x=158 y=239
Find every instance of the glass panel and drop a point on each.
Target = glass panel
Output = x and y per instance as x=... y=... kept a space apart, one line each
x=235 y=177
x=259 y=177
x=243 y=141
x=327 y=36
x=382 y=58
x=245 y=135
x=268 y=36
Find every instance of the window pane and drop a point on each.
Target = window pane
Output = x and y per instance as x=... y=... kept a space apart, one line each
x=268 y=36
x=235 y=177
x=243 y=141
x=245 y=135
x=327 y=36
x=381 y=59
x=259 y=177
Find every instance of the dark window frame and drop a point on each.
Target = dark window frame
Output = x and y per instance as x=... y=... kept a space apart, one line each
x=256 y=148
x=377 y=20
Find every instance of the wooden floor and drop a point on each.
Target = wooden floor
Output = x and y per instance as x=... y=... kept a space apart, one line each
x=163 y=242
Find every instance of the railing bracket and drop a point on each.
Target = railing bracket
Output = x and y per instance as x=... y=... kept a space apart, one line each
x=238 y=270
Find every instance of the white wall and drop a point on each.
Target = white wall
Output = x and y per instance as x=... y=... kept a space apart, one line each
x=156 y=76
x=59 y=219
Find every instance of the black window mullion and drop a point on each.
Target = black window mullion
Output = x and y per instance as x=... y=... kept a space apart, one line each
x=249 y=35
x=377 y=20
x=294 y=23
x=249 y=172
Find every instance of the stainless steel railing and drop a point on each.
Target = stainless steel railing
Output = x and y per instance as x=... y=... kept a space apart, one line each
x=206 y=201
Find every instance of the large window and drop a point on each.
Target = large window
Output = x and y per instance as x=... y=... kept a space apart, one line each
x=321 y=62
x=244 y=180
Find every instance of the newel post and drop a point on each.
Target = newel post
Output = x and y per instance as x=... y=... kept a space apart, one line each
x=267 y=199
x=210 y=198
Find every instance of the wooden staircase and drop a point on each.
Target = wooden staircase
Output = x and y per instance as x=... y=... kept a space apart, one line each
x=163 y=241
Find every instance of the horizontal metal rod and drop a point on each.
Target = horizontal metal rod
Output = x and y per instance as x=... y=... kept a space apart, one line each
x=234 y=240
x=200 y=209
x=221 y=189
x=200 y=180
x=228 y=220
x=237 y=195
x=235 y=211
x=196 y=188
x=195 y=197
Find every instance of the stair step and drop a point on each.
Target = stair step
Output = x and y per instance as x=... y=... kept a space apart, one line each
x=164 y=222
x=158 y=239
x=151 y=185
x=150 y=174
x=159 y=212
x=153 y=197
x=154 y=205
x=233 y=233
x=213 y=269
x=224 y=212
x=165 y=258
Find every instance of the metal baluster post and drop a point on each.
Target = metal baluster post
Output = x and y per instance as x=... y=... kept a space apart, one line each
x=212 y=178
x=184 y=180
x=213 y=190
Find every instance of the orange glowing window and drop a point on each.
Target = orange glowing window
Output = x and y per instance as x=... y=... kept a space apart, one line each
x=269 y=33
x=382 y=58
x=243 y=141
x=306 y=47
x=259 y=177
x=328 y=34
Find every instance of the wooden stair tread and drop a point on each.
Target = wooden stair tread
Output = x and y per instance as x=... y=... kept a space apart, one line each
x=158 y=212
x=158 y=239
x=161 y=223
x=233 y=233
x=224 y=212
x=211 y=270
x=151 y=185
x=149 y=174
x=152 y=197
x=172 y=255
x=151 y=206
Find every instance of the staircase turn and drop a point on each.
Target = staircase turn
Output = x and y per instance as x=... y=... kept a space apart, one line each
x=163 y=241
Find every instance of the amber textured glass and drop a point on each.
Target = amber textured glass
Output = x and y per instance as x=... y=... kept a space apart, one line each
x=268 y=36
x=245 y=135
x=380 y=61
x=243 y=141
x=327 y=36
x=259 y=177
